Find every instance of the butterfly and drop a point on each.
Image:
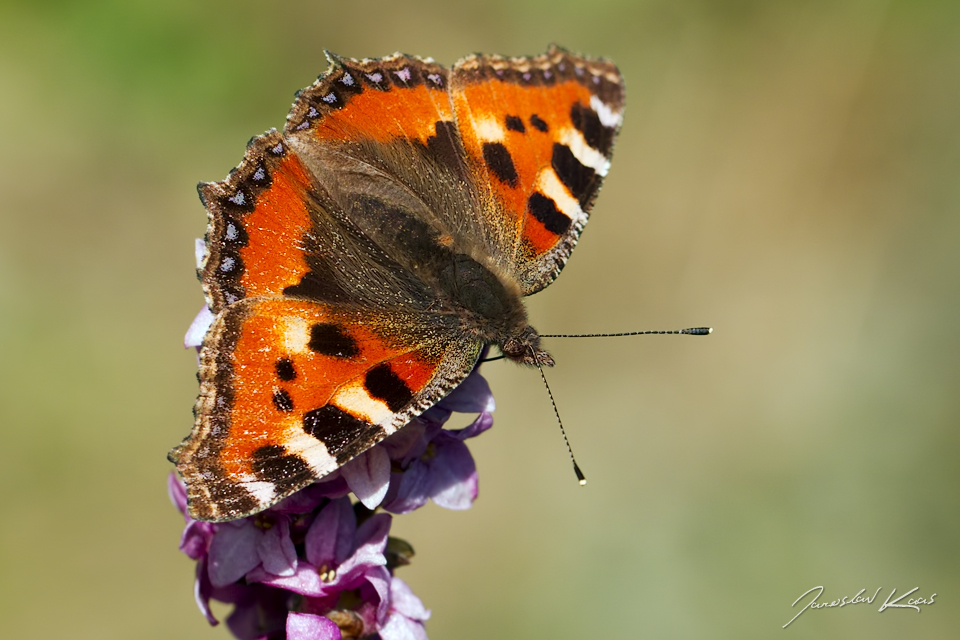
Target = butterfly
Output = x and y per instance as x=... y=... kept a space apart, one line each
x=358 y=262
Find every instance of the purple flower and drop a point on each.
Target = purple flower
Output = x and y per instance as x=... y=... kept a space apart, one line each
x=258 y=609
x=436 y=466
x=196 y=536
x=239 y=547
x=339 y=555
x=406 y=615
x=198 y=328
x=309 y=626
x=434 y=463
x=312 y=574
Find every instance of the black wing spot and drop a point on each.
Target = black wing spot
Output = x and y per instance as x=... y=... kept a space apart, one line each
x=581 y=180
x=538 y=123
x=545 y=210
x=282 y=401
x=343 y=435
x=331 y=340
x=272 y=464
x=514 y=123
x=442 y=145
x=382 y=383
x=588 y=123
x=320 y=283
x=285 y=369
x=498 y=160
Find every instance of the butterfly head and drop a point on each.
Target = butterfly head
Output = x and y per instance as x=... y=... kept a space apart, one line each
x=524 y=348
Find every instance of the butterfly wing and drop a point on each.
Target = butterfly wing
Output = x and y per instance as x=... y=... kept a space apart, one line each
x=380 y=137
x=257 y=218
x=539 y=132
x=292 y=389
x=326 y=339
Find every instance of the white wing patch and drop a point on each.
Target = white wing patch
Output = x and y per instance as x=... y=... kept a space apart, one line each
x=582 y=151
x=608 y=117
x=357 y=401
x=549 y=185
x=296 y=334
x=488 y=130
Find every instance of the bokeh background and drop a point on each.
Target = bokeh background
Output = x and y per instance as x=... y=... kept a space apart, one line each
x=788 y=172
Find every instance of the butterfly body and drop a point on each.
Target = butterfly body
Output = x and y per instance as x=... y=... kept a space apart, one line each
x=358 y=262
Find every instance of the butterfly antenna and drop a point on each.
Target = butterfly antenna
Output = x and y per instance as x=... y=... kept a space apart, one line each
x=696 y=331
x=576 y=468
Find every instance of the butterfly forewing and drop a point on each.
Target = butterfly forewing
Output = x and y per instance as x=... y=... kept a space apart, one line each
x=258 y=216
x=539 y=133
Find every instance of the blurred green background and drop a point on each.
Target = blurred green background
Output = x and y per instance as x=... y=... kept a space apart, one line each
x=788 y=172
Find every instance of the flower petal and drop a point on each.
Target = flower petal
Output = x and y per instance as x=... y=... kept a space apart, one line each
x=413 y=490
x=199 y=251
x=233 y=552
x=196 y=538
x=198 y=328
x=406 y=443
x=177 y=493
x=371 y=540
x=259 y=612
x=307 y=626
x=305 y=580
x=473 y=395
x=404 y=601
x=276 y=549
x=483 y=422
x=312 y=496
x=202 y=590
x=454 y=483
x=368 y=476
x=379 y=579
x=398 y=627
x=330 y=538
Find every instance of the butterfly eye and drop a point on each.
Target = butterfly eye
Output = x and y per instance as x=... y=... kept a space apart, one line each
x=512 y=348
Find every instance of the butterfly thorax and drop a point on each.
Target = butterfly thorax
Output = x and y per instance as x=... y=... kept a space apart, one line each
x=491 y=309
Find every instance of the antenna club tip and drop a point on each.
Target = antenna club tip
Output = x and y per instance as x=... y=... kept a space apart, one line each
x=580 y=477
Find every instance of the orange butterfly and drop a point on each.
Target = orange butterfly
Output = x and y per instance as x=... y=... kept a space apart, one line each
x=357 y=263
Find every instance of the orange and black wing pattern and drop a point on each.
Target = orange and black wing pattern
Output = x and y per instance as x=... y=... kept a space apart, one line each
x=257 y=219
x=380 y=100
x=332 y=254
x=292 y=389
x=539 y=134
x=320 y=347
x=281 y=222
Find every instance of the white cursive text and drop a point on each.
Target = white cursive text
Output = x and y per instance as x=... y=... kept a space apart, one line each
x=912 y=603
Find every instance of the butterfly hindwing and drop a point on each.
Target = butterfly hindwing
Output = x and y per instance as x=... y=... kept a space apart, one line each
x=292 y=389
